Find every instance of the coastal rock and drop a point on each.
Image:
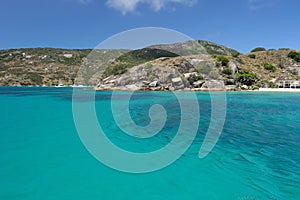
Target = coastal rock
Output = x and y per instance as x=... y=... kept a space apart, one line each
x=171 y=88
x=106 y=79
x=229 y=82
x=111 y=81
x=198 y=84
x=133 y=87
x=179 y=87
x=105 y=85
x=214 y=85
x=255 y=87
x=244 y=87
x=177 y=81
x=156 y=88
x=153 y=84
x=230 y=87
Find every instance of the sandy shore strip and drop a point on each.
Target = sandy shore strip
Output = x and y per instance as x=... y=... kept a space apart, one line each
x=279 y=89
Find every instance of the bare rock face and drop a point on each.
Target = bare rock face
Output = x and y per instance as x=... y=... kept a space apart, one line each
x=177 y=81
x=233 y=66
x=214 y=85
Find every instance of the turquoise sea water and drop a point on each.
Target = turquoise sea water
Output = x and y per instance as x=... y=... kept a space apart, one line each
x=42 y=157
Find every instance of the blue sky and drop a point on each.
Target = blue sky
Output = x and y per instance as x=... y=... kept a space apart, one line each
x=240 y=24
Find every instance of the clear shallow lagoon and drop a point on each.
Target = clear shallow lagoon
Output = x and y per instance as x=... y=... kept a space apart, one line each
x=42 y=157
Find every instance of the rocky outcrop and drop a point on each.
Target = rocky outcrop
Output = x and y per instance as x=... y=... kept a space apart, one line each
x=177 y=83
x=214 y=85
x=164 y=74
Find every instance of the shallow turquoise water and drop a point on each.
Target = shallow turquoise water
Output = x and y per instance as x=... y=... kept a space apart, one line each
x=42 y=157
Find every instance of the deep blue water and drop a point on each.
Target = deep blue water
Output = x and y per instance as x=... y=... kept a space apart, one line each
x=42 y=156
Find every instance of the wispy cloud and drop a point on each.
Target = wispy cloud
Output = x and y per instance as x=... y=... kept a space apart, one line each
x=84 y=2
x=260 y=4
x=126 y=6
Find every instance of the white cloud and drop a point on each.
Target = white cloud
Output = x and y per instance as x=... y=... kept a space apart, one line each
x=126 y=6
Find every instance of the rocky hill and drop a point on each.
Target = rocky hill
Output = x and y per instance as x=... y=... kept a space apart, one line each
x=39 y=66
x=49 y=66
x=209 y=72
x=191 y=65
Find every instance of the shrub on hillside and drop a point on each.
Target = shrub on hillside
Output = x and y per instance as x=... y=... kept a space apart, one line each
x=236 y=54
x=227 y=71
x=148 y=66
x=223 y=60
x=269 y=67
x=35 y=78
x=253 y=56
x=294 y=55
x=258 y=49
x=246 y=77
x=198 y=78
x=283 y=49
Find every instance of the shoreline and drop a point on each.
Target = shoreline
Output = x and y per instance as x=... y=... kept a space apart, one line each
x=279 y=89
x=149 y=90
x=199 y=90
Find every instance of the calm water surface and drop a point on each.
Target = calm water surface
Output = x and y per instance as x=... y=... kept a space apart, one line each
x=42 y=157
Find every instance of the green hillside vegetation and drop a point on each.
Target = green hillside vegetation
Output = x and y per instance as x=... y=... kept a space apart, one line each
x=253 y=56
x=222 y=60
x=269 y=67
x=246 y=77
x=294 y=55
x=133 y=58
x=258 y=49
